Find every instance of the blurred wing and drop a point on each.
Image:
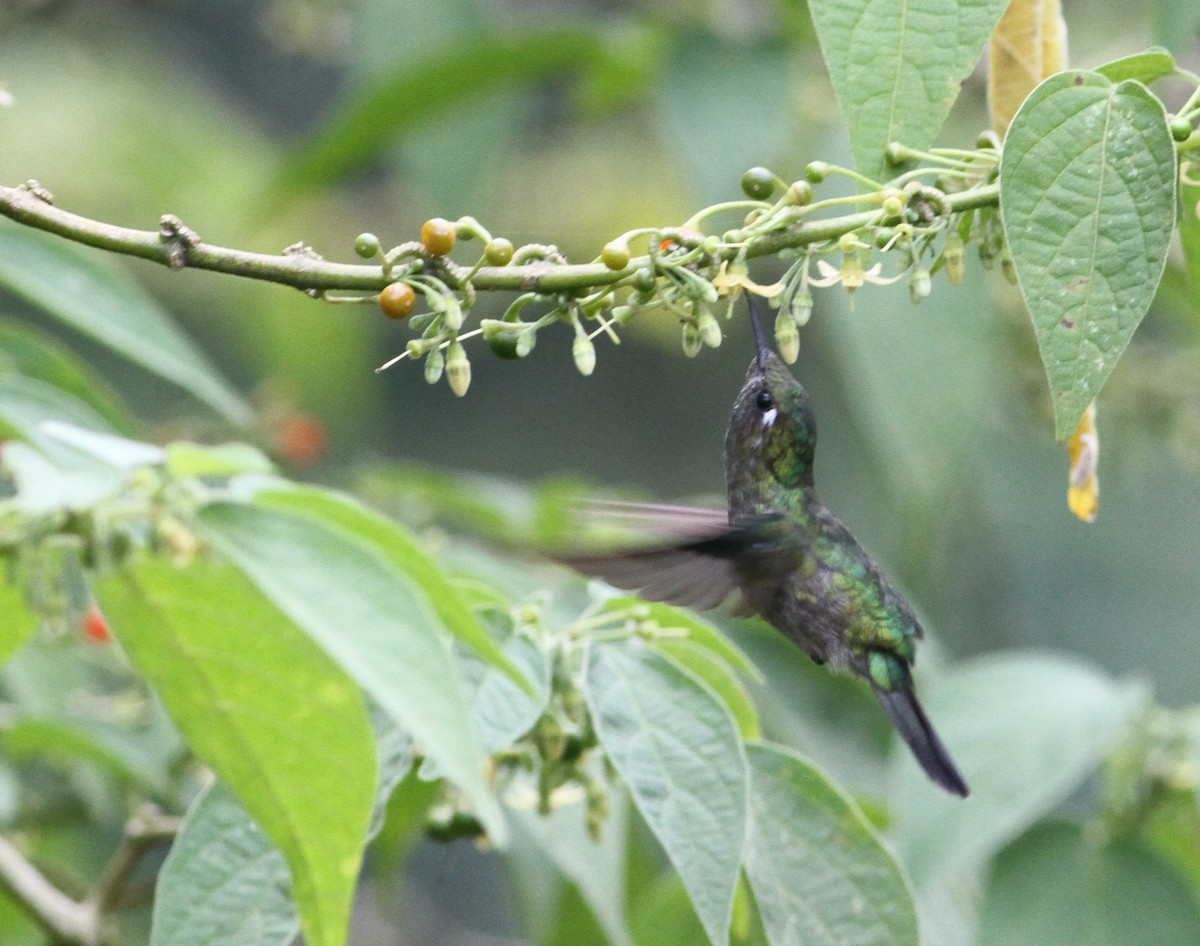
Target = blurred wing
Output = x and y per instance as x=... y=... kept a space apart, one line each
x=696 y=567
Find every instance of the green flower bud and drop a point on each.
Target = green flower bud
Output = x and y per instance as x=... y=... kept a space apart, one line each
x=525 y=342
x=1006 y=265
x=816 y=171
x=787 y=337
x=584 y=353
x=644 y=280
x=458 y=368
x=848 y=242
x=691 y=339
x=434 y=365
x=367 y=245
x=919 y=284
x=709 y=329
x=452 y=316
x=801 y=307
x=954 y=253
x=799 y=194
x=419 y=347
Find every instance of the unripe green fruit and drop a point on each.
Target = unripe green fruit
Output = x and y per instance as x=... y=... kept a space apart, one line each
x=367 y=245
x=615 y=255
x=758 y=183
x=498 y=252
x=1181 y=128
x=643 y=280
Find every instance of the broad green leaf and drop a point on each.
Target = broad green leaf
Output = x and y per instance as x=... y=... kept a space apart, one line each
x=224 y=882
x=596 y=869
x=192 y=459
x=1025 y=730
x=663 y=915
x=116 y=749
x=49 y=475
x=701 y=632
x=28 y=352
x=400 y=548
x=80 y=288
x=425 y=85
x=372 y=619
x=678 y=750
x=720 y=678
x=273 y=715
x=819 y=872
x=1153 y=63
x=503 y=711
x=896 y=67
x=1059 y=883
x=1189 y=230
x=1087 y=190
x=120 y=453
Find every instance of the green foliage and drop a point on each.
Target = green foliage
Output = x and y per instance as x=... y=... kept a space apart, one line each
x=1087 y=163
x=896 y=68
x=307 y=683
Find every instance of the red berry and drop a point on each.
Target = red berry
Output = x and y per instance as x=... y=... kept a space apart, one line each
x=95 y=628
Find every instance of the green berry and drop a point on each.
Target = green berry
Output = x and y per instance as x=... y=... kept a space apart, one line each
x=498 y=252
x=1181 y=128
x=758 y=183
x=367 y=245
x=615 y=255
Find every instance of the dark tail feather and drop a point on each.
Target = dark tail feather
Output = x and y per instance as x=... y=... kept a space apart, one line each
x=914 y=727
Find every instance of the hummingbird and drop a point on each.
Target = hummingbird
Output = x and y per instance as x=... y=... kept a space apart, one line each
x=792 y=560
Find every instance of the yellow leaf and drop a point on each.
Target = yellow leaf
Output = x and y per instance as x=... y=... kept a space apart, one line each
x=1028 y=44
x=1083 y=488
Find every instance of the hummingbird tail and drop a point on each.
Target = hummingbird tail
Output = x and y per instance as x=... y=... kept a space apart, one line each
x=914 y=727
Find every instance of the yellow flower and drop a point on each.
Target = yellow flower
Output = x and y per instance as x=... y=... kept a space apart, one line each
x=1083 y=488
x=730 y=280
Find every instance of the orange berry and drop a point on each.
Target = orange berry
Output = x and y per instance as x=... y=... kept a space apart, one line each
x=302 y=439
x=438 y=236
x=397 y=300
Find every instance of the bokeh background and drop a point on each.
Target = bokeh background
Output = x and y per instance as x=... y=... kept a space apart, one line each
x=936 y=443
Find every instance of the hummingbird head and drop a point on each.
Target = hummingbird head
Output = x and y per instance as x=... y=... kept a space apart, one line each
x=772 y=435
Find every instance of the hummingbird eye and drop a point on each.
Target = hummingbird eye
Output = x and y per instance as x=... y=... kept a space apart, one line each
x=764 y=401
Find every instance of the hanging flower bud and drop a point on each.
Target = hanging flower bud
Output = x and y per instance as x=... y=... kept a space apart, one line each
x=525 y=342
x=919 y=284
x=801 y=307
x=452 y=316
x=1006 y=265
x=955 y=255
x=458 y=368
x=709 y=329
x=787 y=337
x=434 y=365
x=691 y=339
x=584 y=353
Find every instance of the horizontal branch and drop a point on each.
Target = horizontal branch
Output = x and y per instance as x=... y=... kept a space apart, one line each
x=176 y=246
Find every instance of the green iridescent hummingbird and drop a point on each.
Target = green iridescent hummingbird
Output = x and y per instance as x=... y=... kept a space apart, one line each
x=791 y=559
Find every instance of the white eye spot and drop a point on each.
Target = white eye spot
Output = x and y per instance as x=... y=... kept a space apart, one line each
x=768 y=418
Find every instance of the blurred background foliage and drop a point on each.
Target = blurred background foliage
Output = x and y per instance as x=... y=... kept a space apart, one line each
x=570 y=121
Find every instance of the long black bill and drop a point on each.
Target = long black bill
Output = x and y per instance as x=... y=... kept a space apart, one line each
x=760 y=339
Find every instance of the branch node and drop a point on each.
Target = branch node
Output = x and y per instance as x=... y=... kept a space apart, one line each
x=180 y=240
x=35 y=189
